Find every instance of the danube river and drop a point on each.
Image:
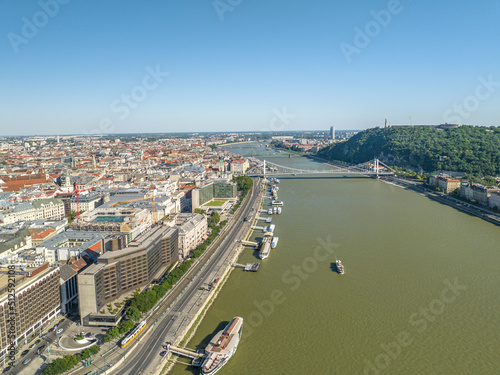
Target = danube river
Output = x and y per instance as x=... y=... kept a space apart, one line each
x=420 y=294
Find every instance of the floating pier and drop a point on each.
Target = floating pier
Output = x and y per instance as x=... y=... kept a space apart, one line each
x=250 y=267
x=255 y=227
x=266 y=219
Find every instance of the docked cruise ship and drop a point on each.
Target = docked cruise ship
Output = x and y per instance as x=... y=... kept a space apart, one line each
x=222 y=347
x=266 y=248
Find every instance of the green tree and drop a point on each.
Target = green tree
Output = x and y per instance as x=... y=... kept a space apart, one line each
x=133 y=314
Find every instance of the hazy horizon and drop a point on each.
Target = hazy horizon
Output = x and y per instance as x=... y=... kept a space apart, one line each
x=128 y=67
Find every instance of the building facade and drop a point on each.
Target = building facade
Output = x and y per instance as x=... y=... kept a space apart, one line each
x=41 y=209
x=192 y=232
x=476 y=192
x=216 y=189
x=494 y=200
x=87 y=202
x=121 y=271
x=445 y=183
x=36 y=301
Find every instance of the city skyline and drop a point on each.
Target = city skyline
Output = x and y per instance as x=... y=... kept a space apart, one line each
x=93 y=68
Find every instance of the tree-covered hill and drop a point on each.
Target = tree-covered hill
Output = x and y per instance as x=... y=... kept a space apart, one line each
x=471 y=149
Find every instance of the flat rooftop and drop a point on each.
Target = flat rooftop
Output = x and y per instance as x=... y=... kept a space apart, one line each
x=22 y=278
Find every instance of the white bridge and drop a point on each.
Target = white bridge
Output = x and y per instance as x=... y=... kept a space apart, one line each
x=374 y=168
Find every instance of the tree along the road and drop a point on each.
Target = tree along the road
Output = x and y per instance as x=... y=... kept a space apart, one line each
x=66 y=363
x=147 y=299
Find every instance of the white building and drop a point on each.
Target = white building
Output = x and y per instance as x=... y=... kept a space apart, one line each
x=192 y=231
x=39 y=209
x=494 y=200
x=88 y=201
x=239 y=166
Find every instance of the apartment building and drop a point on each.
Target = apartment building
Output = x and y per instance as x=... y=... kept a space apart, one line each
x=192 y=232
x=52 y=208
x=445 y=183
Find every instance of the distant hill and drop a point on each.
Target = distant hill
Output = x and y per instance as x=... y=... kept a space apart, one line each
x=471 y=149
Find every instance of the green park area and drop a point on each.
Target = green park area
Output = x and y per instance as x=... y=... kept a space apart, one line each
x=215 y=203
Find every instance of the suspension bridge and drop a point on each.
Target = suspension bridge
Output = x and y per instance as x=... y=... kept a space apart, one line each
x=373 y=168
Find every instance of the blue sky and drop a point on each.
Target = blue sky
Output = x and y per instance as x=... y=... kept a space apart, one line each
x=234 y=64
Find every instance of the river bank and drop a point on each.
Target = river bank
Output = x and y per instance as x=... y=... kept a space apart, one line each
x=400 y=250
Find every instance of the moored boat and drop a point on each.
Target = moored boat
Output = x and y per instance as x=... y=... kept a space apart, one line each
x=340 y=267
x=274 y=242
x=222 y=347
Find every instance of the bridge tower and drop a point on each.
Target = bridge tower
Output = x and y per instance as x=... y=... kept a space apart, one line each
x=376 y=166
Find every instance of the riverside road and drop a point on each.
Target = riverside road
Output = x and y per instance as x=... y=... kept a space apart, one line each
x=146 y=354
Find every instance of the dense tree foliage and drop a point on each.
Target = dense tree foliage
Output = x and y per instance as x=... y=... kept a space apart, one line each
x=471 y=149
x=133 y=314
x=66 y=363
x=213 y=219
x=244 y=184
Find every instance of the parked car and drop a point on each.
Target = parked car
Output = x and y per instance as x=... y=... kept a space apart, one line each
x=40 y=349
x=26 y=361
x=32 y=346
x=24 y=353
x=60 y=330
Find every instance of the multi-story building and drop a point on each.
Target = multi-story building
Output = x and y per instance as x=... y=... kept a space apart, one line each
x=239 y=166
x=87 y=201
x=476 y=192
x=115 y=219
x=445 y=183
x=192 y=232
x=11 y=243
x=40 y=209
x=70 y=244
x=34 y=299
x=494 y=200
x=215 y=189
x=119 y=272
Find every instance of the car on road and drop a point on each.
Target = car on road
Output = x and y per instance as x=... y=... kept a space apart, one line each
x=26 y=361
x=60 y=330
x=7 y=369
x=24 y=353
x=32 y=346
x=163 y=353
x=40 y=349
x=37 y=342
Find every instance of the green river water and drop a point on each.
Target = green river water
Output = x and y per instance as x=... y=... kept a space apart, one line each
x=420 y=294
